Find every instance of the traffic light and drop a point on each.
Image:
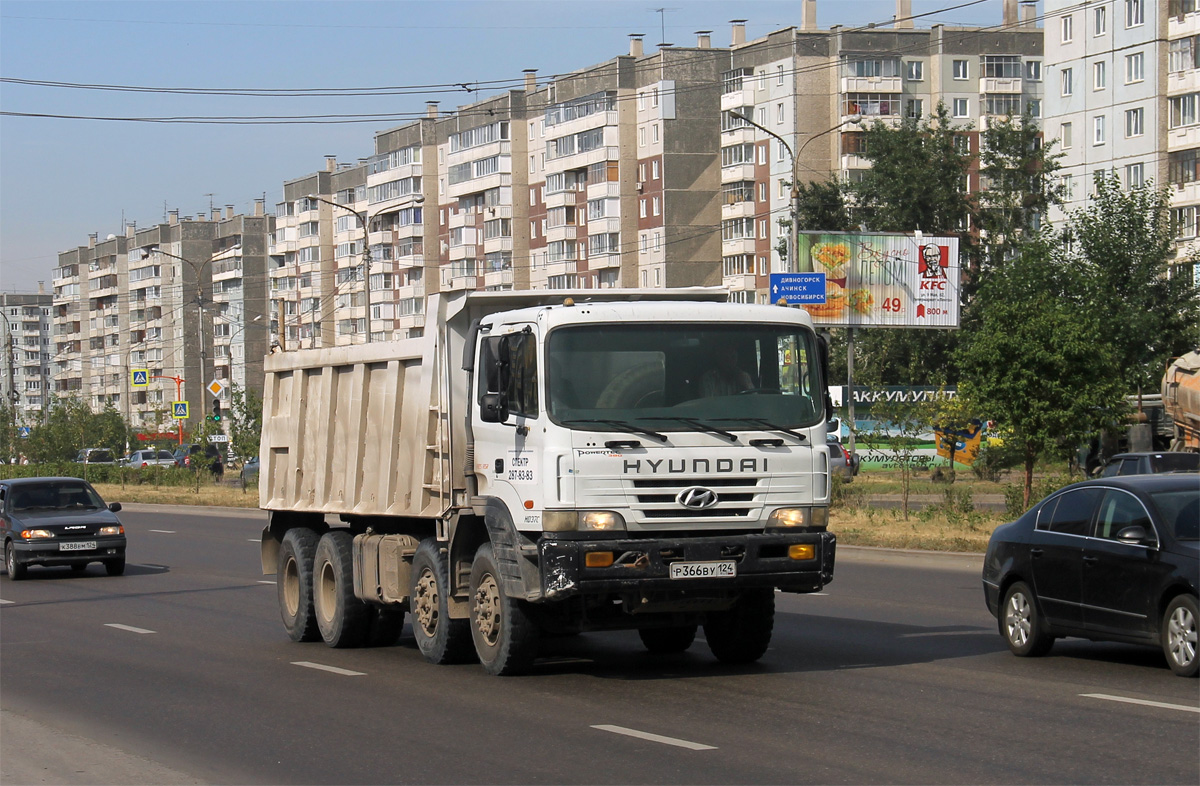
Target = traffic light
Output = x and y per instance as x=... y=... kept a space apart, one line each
x=216 y=415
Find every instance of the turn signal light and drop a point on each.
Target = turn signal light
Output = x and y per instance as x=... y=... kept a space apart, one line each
x=802 y=551
x=598 y=559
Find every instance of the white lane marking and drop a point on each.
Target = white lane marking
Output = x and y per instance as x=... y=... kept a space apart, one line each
x=164 y=531
x=129 y=628
x=266 y=582
x=986 y=631
x=645 y=735
x=333 y=669
x=2 y=601
x=1143 y=702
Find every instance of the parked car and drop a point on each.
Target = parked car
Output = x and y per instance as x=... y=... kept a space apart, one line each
x=1114 y=559
x=1147 y=463
x=95 y=456
x=250 y=471
x=150 y=458
x=194 y=454
x=58 y=521
x=841 y=461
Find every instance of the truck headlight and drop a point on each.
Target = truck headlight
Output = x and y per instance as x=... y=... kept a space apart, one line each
x=796 y=518
x=582 y=521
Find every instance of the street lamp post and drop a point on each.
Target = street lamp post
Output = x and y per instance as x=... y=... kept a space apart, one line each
x=794 y=234
x=199 y=299
x=366 y=256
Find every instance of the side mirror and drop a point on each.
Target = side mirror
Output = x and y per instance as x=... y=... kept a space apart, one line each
x=115 y=507
x=1134 y=536
x=493 y=407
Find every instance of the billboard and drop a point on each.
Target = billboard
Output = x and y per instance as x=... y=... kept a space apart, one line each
x=882 y=280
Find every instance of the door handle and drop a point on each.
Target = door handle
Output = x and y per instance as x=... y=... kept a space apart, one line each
x=1035 y=553
x=1091 y=560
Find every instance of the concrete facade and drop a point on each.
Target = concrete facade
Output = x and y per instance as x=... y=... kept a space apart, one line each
x=27 y=352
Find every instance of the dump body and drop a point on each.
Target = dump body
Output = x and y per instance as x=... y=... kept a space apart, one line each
x=1181 y=399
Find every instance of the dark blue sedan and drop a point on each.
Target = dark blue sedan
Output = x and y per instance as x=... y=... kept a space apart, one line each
x=1113 y=559
x=58 y=521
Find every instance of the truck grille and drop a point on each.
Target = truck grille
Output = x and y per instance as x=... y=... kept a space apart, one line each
x=737 y=499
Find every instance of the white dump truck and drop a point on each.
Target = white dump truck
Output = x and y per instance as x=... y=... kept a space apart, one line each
x=548 y=463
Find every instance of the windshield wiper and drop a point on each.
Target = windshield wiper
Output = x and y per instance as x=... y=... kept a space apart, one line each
x=767 y=425
x=699 y=425
x=622 y=425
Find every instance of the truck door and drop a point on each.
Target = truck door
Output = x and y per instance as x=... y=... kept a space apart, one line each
x=508 y=408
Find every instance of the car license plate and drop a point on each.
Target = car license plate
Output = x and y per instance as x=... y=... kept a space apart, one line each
x=704 y=570
x=81 y=545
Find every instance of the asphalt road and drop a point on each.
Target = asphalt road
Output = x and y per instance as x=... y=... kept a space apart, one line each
x=180 y=672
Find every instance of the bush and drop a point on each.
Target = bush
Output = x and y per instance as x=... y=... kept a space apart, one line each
x=846 y=495
x=993 y=459
x=1014 y=493
x=107 y=473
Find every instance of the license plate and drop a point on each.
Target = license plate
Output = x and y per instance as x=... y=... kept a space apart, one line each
x=82 y=545
x=703 y=570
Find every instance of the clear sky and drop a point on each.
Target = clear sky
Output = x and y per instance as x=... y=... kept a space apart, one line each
x=61 y=179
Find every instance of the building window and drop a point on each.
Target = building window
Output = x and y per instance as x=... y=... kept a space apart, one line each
x=962 y=107
x=1035 y=107
x=1033 y=70
x=1135 y=176
x=642 y=137
x=1065 y=136
x=1002 y=67
x=1098 y=130
x=914 y=108
x=1181 y=111
x=1068 y=29
x=1135 y=67
x=1183 y=167
x=656 y=207
x=1067 y=76
x=642 y=208
x=1099 y=75
x=961 y=70
x=916 y=71
x=1100 y=21
x=654 y=169
x=1184 y=219
x=779 y=114
x=1002 y=104
x=1135 y=13
x=871 y=104
x=654 y=98
x=779 y=75
x=1179 y=8
x=1184 y=55
x=1134 y=122
x=654 y=133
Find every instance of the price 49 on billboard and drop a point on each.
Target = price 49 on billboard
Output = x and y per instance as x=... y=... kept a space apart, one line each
x=880 y=280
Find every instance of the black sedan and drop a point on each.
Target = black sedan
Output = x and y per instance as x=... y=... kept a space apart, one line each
x=58 y=521
x=1113 y=559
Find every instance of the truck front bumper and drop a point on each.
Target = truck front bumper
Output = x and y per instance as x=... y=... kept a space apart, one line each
x=642 y=565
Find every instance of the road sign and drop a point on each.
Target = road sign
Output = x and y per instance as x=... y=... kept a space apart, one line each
x=139 y=377
x=218 y=437
x=179 y=410
x=216 y=388
x=798 y=287
x=24 y=430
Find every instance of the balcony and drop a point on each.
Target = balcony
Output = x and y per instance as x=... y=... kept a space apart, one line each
x=454 y=283
x=1178 y=27
x=737 y=246
x=410 y=292
x=586 y=123
x=562 y=199
x=1183 y=138
x=603 y=189
x=738 y=136
x=871 y=84
x=463 y=218
x=459 y=253
x=998 y=85
x=498 y=278
x=855 y=161
x=495 y=244
x=1184 y=194
x=609 y=225
x=738 y=210
x=738 y=98
x=568 y=232
x=739 y=283
x=410 y=321
x=561 y=268
x=737 y=173
x=586 y=158
x=1183 y=82
x=604 y=261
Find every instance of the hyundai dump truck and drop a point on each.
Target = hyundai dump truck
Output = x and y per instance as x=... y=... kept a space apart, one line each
x=541 y=464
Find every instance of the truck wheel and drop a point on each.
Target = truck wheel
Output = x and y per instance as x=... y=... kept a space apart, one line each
x=742 y=634
x=341 y=617
x=506 y=640
x=386 y=624
x=668 y=640
x=440 y=639
x=294 y=585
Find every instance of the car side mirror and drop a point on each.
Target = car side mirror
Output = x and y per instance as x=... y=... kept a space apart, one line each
x=1135 y=535
x=115 y=507
x=493 y=407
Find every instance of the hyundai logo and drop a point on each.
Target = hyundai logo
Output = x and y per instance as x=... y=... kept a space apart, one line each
x=697 y=498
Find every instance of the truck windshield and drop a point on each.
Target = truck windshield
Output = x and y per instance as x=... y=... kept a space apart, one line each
x=684 y=377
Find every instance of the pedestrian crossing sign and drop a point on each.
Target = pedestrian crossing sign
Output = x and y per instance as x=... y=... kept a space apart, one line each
x=139 y=377
x=179 y=410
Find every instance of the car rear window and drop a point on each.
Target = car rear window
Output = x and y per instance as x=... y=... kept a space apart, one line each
x=166 y=454
x=1175 y=462
x=1180 y=512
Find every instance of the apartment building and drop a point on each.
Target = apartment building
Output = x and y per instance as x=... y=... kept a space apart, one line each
x=183 y=300
x=815 y=90
x=1183 y=122
x=302 y=271
x=26 y=358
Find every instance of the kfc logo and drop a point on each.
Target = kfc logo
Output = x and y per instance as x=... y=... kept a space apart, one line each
x=934 y=261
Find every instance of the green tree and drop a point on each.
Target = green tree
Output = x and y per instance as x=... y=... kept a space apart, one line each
x=71 y=426
x=1038 y=361
x=1019 y=173
x=823 y=208
x=898 y=435
x=1124 y=240
x=245 y=429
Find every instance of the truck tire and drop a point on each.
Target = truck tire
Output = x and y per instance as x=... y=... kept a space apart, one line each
x=440 y=639
x=506 y=639
x=668 y=640
x=743 y=633
x=386 y=624
x=294 y=584
x=341 y=617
